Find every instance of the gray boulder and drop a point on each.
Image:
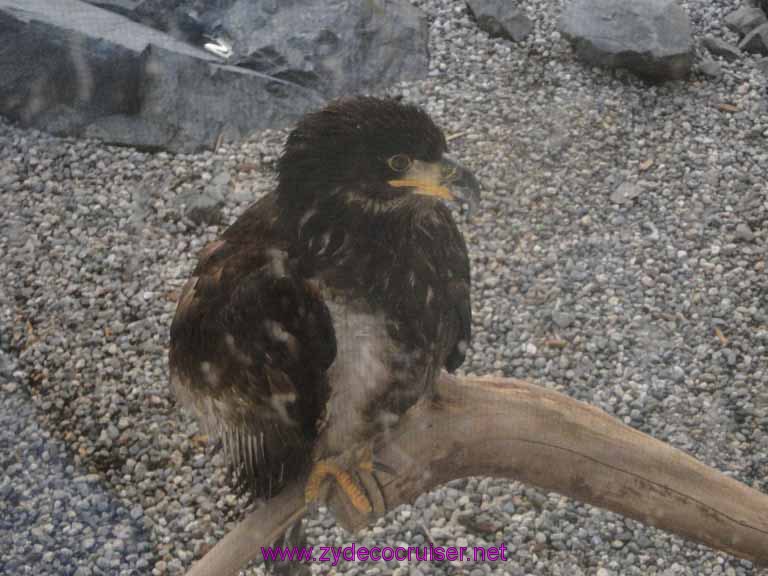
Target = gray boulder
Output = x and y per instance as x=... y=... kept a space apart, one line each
x=499 y=18
x=651 y=38
x=756 y=42
x=334 y=47
x=96 y=73
x=745 y=19
x=133 y=73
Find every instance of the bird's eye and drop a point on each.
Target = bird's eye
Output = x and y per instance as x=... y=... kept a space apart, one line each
x=399 y=162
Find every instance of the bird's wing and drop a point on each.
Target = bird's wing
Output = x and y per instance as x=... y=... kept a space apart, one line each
x=456 y=330
x=250 y=345
x=458 y=294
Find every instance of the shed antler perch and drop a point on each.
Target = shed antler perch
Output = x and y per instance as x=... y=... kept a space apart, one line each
x=513 y=429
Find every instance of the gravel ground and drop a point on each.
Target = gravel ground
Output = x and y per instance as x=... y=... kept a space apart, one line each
x=53 y=513
x=627 y=221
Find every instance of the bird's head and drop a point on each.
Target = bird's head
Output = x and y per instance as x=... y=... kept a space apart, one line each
x=371 y=151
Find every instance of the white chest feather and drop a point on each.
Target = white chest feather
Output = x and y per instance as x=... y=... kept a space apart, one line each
x=359 y=374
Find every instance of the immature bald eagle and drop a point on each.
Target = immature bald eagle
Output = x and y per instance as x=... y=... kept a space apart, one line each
x=329 y=307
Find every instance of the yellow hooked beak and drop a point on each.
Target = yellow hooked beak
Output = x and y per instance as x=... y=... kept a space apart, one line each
x=445 y=179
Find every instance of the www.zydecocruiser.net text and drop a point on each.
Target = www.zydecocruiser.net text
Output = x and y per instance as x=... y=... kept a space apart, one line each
x=353 y=552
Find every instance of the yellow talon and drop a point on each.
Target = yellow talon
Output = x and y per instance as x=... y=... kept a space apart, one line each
x=344 y=479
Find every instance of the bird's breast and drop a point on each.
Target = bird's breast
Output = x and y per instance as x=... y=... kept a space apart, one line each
x=372 y=379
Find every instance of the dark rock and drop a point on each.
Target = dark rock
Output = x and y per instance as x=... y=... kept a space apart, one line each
x=203 y=213
x=96 y=73
x=745 y=19
x=203 y=210
x=718 y=47
x=205 y=207
x=333 y=47
x=499 y=18
x=756 y=42
x=183 y=23
x=650 y=38
x=171 y=17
